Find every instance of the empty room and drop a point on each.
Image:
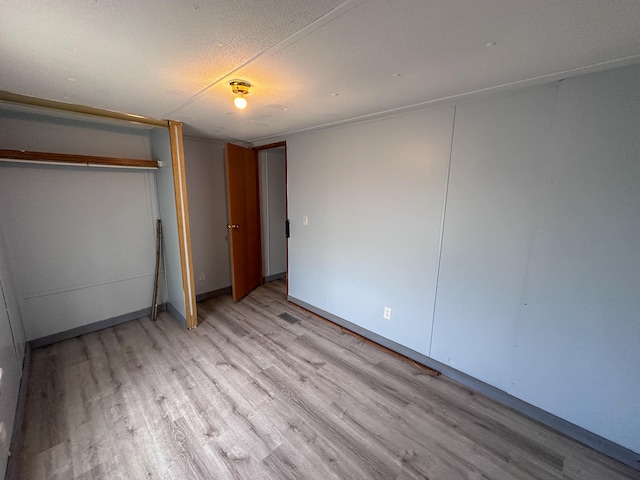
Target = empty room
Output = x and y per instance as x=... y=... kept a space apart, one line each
x=322 y=239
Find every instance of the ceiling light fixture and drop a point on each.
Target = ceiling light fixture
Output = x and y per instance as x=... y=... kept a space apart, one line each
x=240 y=88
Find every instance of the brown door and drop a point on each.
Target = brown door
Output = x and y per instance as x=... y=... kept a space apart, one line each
x=243 y=203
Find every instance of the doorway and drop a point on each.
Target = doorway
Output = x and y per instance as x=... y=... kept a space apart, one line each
x=272 y=162
x=257 y=213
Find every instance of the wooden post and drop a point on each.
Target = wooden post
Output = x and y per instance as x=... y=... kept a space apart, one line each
x=182 y=210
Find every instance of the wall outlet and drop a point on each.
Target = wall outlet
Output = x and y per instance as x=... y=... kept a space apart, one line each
x=201 y=276
x=305 y=220
x=387 y=313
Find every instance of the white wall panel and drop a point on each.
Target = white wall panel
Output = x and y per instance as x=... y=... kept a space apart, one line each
x=579 y=354
x=11 y=355
x=540 y=267
x=161 y=149
x=80 y=241
x=499 y=171
x=206 y=187
x=307 y=193
x=74 y=234
x=374 y=208
x=384 y=206
x=90 y=136
x=10 y=384
x=273 y=209
x=11 y=300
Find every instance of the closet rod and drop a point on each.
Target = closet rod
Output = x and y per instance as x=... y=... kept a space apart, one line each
x=81 y=109
x=72 y=159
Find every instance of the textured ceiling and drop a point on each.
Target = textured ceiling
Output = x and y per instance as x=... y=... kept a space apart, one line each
x=312 y=63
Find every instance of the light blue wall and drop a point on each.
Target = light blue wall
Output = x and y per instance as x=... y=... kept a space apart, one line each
x=77 y=245
x=204 y=165
x=374 y=207
x=273 y=210
x=539 y=264
x=499 y=173
x=161 y=150
x=8 y=290
x=11 y=353
x=582 y=319
x=307 y=177
x=80 y=240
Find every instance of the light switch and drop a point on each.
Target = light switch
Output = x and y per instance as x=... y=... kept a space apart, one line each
x=305 y=220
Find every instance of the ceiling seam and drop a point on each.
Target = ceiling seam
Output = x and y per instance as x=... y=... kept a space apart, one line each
x=319 y=22
x=529 y=82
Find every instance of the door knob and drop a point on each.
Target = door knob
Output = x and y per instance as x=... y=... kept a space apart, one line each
x=234 y=226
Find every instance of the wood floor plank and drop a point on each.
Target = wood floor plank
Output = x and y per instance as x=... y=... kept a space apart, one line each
x=376 y=464
x=493 y=433
x=311 y=448
x=51 y=399
x=247 y=395
x=54 y=462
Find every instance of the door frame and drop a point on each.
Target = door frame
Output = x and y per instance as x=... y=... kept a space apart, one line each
x=286 y=193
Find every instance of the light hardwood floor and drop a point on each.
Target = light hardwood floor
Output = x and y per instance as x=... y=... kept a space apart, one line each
x=247 y=395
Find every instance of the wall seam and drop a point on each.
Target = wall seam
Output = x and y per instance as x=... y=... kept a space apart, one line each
x=442 y=223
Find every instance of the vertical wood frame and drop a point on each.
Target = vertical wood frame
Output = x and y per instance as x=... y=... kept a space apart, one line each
x=286 y=204
x=184 y=232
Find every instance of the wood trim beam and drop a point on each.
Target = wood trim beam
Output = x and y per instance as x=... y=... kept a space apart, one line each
x=80 y=160
x=17 y=98
x=184 y=232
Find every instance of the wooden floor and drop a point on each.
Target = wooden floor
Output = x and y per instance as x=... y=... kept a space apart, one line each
x=247 y=395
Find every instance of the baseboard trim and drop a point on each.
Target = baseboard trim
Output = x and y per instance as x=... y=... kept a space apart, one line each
x=177 y=315
x=214 y=293
x=16 y=437
x=92 y=327
x=590 y=439
x=275 y=276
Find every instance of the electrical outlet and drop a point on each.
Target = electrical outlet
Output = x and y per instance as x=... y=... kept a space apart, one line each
x=387 y=313
x=201 y=276
x=305 y=220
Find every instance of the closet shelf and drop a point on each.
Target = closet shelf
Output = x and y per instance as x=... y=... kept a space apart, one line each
x=76 y=160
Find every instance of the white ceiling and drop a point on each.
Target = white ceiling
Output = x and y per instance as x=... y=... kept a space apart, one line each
x=174 y=59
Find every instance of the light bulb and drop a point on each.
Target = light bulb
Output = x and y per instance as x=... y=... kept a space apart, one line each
x=240 y=102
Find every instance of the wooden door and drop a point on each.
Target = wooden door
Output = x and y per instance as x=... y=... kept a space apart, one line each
x=243 y=207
